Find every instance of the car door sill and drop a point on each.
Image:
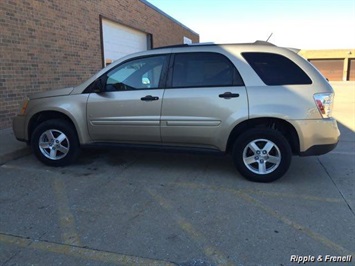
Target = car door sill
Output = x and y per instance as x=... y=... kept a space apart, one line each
x=154 y=147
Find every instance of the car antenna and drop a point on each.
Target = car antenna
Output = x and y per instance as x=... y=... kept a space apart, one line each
x=269 y=37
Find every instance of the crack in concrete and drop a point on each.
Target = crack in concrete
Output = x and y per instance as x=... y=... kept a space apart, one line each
x=335 y=185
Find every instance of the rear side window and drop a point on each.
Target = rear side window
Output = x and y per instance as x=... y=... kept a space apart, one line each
x=275 y=69
x=204 y=69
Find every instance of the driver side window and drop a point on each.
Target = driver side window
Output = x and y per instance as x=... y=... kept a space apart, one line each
x=142 y=73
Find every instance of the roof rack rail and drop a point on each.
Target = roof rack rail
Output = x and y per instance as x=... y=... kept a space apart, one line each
x=187 y=45
x=171 y=46
x=202 y=43
x=258 y=42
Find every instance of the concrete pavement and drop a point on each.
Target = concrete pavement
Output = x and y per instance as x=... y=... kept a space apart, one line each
x=10 y=147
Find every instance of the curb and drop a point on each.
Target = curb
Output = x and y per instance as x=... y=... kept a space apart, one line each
x=14 y=155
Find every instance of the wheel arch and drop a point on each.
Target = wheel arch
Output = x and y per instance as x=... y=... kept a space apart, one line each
x=43 y=116
x=284 y=127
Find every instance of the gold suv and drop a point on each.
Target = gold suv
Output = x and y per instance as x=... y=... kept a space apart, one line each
x=259 y=102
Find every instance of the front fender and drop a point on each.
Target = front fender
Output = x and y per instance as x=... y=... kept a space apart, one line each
x=71 y=106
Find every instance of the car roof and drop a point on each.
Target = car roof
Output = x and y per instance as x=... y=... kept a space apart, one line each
x=214 y=44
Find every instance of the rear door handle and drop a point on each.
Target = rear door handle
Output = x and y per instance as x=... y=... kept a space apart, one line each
x=228 y=95
x=149 y=98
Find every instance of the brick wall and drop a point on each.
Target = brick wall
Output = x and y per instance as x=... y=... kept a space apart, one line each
x=49 y=44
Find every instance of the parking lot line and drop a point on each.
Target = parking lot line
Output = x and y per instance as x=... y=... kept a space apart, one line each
x=66 y=218
x=244 y=194
x=294 y=196
x=261 y=193
x=342 y=153
x=318 y=237
x=210 y=251
x=81 y=253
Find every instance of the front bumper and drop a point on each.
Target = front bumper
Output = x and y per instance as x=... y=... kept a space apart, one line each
x=18 y=126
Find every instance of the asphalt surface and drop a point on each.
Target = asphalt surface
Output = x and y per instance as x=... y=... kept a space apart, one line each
x=121 y=207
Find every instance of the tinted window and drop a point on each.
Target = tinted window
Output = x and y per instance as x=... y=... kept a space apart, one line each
x=204 y=70
x=275 y=69
x=142 y=73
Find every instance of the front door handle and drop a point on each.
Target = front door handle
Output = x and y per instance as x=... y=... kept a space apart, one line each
x=228 y=95
x=149 y=98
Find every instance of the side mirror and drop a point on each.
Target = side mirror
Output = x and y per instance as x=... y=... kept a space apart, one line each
x=99 y=85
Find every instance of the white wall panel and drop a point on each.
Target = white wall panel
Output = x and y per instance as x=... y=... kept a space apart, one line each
x=120 y=40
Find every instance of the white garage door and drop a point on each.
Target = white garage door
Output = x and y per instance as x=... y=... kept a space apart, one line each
x=120 y=40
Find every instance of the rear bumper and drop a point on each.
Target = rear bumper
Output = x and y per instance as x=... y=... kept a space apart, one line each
x=319 y=149
x=317 y=136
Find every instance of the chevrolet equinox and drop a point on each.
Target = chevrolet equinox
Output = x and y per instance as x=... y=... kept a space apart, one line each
x=259 y=102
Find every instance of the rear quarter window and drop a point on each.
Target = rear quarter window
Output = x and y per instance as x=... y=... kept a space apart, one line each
x=275 y=69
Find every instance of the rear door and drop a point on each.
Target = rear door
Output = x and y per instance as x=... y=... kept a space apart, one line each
x=205 y=96
x=129 y=107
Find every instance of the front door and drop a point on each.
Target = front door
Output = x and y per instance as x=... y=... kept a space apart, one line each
x=129 y=106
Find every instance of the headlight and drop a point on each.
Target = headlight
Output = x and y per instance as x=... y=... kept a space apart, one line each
x=324 y=102
x=24 y=106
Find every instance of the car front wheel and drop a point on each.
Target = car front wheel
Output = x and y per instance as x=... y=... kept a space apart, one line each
x=55 y=142
x=262 y=155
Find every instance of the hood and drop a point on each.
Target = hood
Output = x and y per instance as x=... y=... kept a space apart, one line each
x=52 y=93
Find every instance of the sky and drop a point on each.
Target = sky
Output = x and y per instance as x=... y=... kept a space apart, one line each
x=303 y=24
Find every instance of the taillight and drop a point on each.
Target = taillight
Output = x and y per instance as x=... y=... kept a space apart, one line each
x=324 y=102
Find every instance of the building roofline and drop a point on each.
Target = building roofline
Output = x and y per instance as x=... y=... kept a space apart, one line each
x=168 y=16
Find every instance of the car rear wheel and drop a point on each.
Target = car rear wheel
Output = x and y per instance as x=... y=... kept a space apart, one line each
x=262 y=155
x=55 y=142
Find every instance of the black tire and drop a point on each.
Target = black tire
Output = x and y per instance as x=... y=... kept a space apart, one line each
x=262 y=155
x=55 y=142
